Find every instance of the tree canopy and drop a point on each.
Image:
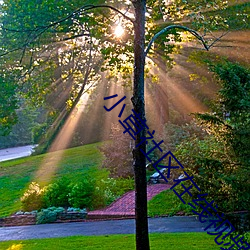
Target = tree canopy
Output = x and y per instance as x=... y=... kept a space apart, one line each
x=58 y=45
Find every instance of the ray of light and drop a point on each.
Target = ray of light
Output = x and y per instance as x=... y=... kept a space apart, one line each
x=181 y=97
x=96 y=124
x=50 y=163
x=89 y=124
x=158 y=96
x=171 y=92
x=112 y=116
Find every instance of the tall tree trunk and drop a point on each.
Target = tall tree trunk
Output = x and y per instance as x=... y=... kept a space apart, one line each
x=142 y=240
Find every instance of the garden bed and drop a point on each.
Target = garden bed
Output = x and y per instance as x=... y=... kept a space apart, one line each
x=30 y=219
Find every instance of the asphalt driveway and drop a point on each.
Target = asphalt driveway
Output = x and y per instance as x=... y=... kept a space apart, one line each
x=156 y=225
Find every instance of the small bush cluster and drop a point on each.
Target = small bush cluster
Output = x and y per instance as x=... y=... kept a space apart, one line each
x=51 y=214
x=56 y=194
x=84 y=194
x=61 y=193
x=81 y=194
x=76 y=210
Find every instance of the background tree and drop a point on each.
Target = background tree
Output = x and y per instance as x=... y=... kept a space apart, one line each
x=8 y=105
x=118 y=155
x=220 y=161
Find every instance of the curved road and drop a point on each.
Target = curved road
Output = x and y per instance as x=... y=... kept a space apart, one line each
x=156 y=225
x=17 y=152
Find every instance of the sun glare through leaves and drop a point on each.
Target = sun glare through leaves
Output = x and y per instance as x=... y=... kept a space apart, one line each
x=119 y=31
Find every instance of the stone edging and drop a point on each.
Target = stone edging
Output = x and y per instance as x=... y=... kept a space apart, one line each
x=30 y=219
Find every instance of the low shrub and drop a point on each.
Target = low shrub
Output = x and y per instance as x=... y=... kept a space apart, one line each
x=123 y=185
x=103 y=194
x=57 y=193
x=73 y=209
x=48 y=215
x=168 y=203
x=81 y=194
x=33 y=198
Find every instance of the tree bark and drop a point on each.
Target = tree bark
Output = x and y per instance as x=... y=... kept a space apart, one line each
x=142 y=239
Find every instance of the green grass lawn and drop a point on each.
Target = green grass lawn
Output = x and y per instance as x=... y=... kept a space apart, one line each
x=16 y=175
x=170 y=241
x=167 y=203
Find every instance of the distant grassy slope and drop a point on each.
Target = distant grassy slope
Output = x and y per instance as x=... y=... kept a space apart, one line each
x=16 y=175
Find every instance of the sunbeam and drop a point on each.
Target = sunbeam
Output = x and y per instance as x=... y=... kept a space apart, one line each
x=51 y=161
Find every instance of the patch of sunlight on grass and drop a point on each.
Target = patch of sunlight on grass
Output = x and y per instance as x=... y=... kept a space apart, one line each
x=15 y=247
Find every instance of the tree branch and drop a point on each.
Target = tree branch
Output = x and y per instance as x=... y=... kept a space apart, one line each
x=74 y=13
x=112 y=8
x=193 y=32
x=87 y=8
x=42 y=29
x=72 y=37
x=218 y=38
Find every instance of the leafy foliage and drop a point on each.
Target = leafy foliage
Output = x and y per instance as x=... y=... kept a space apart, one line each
x=233 y=235
x=220 y=162
x=56 y=194
x=232 y=118
x=33 y=197
x=56 y=50
x=8 y=105
x=81 y=194
x=104 y=192
x=91 y=193
x=236 y=16
x=22 y=133
x=109 y=189
x=60 y=45
x=175 y=134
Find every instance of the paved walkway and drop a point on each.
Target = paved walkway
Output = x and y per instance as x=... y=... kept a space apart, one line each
x=156 y=225
x=125 y=205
